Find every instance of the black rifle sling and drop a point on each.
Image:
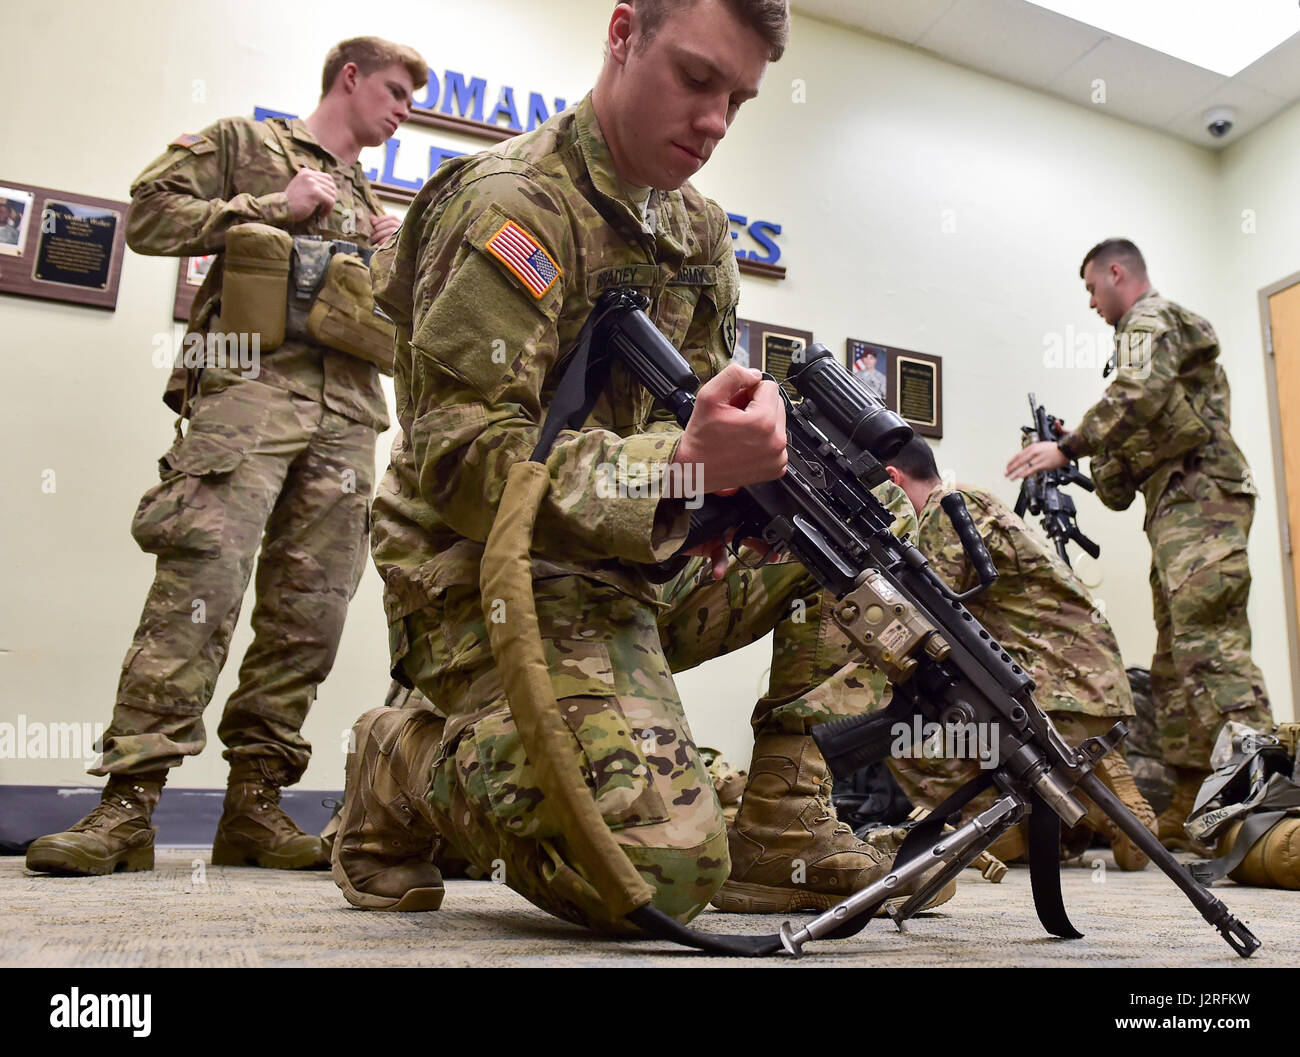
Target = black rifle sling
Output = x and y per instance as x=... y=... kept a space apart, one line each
x=1045 y=869
x=576 y=394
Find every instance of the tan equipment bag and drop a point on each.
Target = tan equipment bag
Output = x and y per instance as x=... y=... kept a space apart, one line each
x=344 y=316
x=255 y=287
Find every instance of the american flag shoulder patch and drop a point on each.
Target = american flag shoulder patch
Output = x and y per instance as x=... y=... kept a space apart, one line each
x=524 y=257
x=188 y=139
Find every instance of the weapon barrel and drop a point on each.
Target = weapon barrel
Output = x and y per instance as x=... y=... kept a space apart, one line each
x=1238 y=937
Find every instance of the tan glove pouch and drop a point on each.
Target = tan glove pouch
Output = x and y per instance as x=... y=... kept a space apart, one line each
x=1111 y=478
x=344 y=316
x=255 y=287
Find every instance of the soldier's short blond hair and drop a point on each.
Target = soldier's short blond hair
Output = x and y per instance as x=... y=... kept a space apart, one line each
x=371 y=54
x=770 y=19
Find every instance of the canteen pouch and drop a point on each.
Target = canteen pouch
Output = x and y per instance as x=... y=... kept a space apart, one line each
x=344 y=315
x=255 y=286
x=1111 y=478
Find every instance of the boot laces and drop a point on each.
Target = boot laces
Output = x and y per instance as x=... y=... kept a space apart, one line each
x=266 y=796
x=823 y=799
x=108 y=813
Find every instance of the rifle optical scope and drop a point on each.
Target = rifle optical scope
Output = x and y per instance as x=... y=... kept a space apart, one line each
x=861 y=419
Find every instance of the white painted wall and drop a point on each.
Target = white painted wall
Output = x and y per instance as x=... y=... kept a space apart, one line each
x=922 y=205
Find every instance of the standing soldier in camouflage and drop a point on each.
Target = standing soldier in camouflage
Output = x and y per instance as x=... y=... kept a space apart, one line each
x=1162 y=428
x=1044 y=617
x=497 y=269
x=279 y=456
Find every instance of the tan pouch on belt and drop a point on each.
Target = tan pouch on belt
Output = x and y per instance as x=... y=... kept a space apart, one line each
x=344 y=316
x=255 y=287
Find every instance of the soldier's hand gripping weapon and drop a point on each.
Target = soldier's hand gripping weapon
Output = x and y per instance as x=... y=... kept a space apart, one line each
x=1041 y=494
x=903 y=619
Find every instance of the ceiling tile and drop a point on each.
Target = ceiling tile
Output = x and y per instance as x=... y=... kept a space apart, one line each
x=1140 y=84
x=1278 y=72
x=903 y=20
x=1011 y=39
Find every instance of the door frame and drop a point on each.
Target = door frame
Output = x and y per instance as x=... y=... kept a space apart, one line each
x=1279 y=482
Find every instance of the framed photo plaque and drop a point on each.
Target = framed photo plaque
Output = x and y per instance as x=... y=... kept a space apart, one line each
x=772 y=347
x=910 y=383
x=60 y=246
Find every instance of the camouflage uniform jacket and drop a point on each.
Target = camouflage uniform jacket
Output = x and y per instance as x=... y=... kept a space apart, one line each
x=499 y=262
x=1037 y=608
x=1167 y=369
x=236 y=172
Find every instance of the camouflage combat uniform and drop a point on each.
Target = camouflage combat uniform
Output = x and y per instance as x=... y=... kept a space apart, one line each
x=1038 y=610
x=1163 y=424
x=497 y=268
x=281 y=459
x=1044 y=617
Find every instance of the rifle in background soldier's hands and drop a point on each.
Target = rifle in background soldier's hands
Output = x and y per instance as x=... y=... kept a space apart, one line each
x=1040 y=493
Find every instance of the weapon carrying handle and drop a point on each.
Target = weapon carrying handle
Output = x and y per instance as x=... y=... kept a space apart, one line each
x=955 y=507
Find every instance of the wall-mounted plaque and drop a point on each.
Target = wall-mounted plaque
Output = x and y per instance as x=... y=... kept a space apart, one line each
x=60 y=246
x=910 y=383
x=189 y=277
x=772 y=348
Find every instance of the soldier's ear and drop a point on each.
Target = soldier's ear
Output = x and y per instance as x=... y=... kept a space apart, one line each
x=348 y=77
x=622 y=24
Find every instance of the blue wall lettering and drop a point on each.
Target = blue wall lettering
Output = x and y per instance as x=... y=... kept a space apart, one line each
x=468 y=98
x=506 y=108
x=438 y=155
x=391 y=148
x=430 y=99
x=758 y=231
x=261 y=113
x=537 y=109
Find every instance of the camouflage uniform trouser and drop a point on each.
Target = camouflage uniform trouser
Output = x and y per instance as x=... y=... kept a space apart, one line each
x=611 y=659
x=258 y=466
x=1202 y=674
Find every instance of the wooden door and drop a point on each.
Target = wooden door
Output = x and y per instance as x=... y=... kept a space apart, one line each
x=1284 y=328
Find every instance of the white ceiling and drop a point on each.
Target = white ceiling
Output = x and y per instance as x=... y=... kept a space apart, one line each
x=1021 y=42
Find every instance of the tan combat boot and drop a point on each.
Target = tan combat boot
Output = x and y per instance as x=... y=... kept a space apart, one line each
x=1115 y=774
x=117 y=835
x=385 y=844
x=254 y=830
x=788 y=849
x=1172 y=834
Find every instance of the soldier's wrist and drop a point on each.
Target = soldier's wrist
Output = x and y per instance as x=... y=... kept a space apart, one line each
x=1066 y=446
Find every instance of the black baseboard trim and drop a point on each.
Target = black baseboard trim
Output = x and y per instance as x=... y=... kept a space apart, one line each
x=183 y=816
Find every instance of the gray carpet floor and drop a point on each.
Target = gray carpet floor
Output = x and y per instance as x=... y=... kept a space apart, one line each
x=189 y=913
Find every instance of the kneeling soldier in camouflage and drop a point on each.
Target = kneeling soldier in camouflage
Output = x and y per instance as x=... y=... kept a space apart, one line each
x=1044 y=617
x=499 y=264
